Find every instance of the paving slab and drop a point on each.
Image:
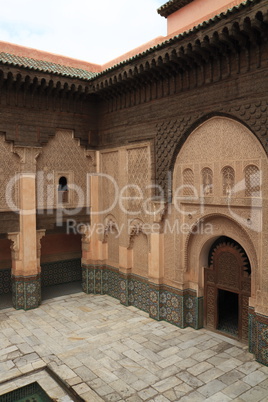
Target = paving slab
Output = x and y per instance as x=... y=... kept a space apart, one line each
x=108 y=352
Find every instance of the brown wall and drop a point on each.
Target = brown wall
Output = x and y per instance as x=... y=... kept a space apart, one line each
x=5 y=254
x=59 y=247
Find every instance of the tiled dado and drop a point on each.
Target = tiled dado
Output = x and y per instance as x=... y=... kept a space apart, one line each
x=258 y=336
x=99 y=279
x=26 y=292
x=58 y=272
x=5 y=281
x=181 y=308
x=178 y=307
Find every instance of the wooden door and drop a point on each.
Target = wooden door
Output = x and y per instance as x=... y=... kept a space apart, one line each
x=229 y=271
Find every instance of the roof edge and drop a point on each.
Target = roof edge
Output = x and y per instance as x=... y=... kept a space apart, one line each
x=171 y=6
x=31 y=53
x=170 y=39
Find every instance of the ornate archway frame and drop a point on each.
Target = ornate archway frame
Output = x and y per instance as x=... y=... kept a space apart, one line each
x=197 y=247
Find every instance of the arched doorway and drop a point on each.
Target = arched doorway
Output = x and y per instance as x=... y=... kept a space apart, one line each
x=227 y=287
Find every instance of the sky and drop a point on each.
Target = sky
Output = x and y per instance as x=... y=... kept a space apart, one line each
x=96 y=31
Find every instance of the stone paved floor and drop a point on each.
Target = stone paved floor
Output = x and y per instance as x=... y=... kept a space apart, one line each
x=109 y=352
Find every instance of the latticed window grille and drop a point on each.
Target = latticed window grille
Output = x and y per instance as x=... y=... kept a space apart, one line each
x=207 y=181
x=252 y=181
x=188 y=182
x=228 y=180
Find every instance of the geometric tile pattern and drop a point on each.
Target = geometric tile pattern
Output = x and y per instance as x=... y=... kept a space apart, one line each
x=88 y=278
x=110 y=282
x=258 y=336
x=261 y=351
x=193 y=311
x=5 y=281
x=181 y=308
x=123 y=289
x=55 y=273
x=32 y=392
x=26 y=292
x=171 y=306
x=178 y=307
x=138 y=293
x=252 y=331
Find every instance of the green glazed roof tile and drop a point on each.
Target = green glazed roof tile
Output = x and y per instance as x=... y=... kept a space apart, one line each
x=45 y=66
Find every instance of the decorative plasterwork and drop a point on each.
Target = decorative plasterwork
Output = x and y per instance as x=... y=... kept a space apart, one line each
x=92 y=156
x=135 y=229
x=28 y=156
x=216 y=39
x=39 y=235
x=15 y=244
x=109 y=227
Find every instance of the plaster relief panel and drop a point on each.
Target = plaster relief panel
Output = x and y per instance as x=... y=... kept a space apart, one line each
x=138 y=167
x=63 y=157
x=113 y=248
x=9 y=167
x=140 y=255
x=108 y=195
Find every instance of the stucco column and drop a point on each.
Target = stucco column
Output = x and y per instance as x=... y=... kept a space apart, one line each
x=93 y=249
x=125 y=251
x=26 y=265
x=156 y=273
x=156 y=258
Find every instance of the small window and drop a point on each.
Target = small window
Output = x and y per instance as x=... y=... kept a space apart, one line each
x=63 y=194
x=188 y=182
x=252 y=181
x=228 y=180
x=207 y=181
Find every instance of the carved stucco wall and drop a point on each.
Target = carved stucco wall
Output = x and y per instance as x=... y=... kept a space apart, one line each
x=138 y=175
x=129 y=168
x=113 y=248
x=9 y=167
x=140 y=255
x=171 y=134
x=62 y=156
x=110 y=167
x=214 y=144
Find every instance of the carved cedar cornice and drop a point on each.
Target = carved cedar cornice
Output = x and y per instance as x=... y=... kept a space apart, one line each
x=245 y=28
x=36 y=83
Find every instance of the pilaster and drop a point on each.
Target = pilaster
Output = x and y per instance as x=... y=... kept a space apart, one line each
x=26 y=289
x=93 y=249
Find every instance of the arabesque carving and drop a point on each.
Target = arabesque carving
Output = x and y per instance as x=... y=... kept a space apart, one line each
x=171 y=134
